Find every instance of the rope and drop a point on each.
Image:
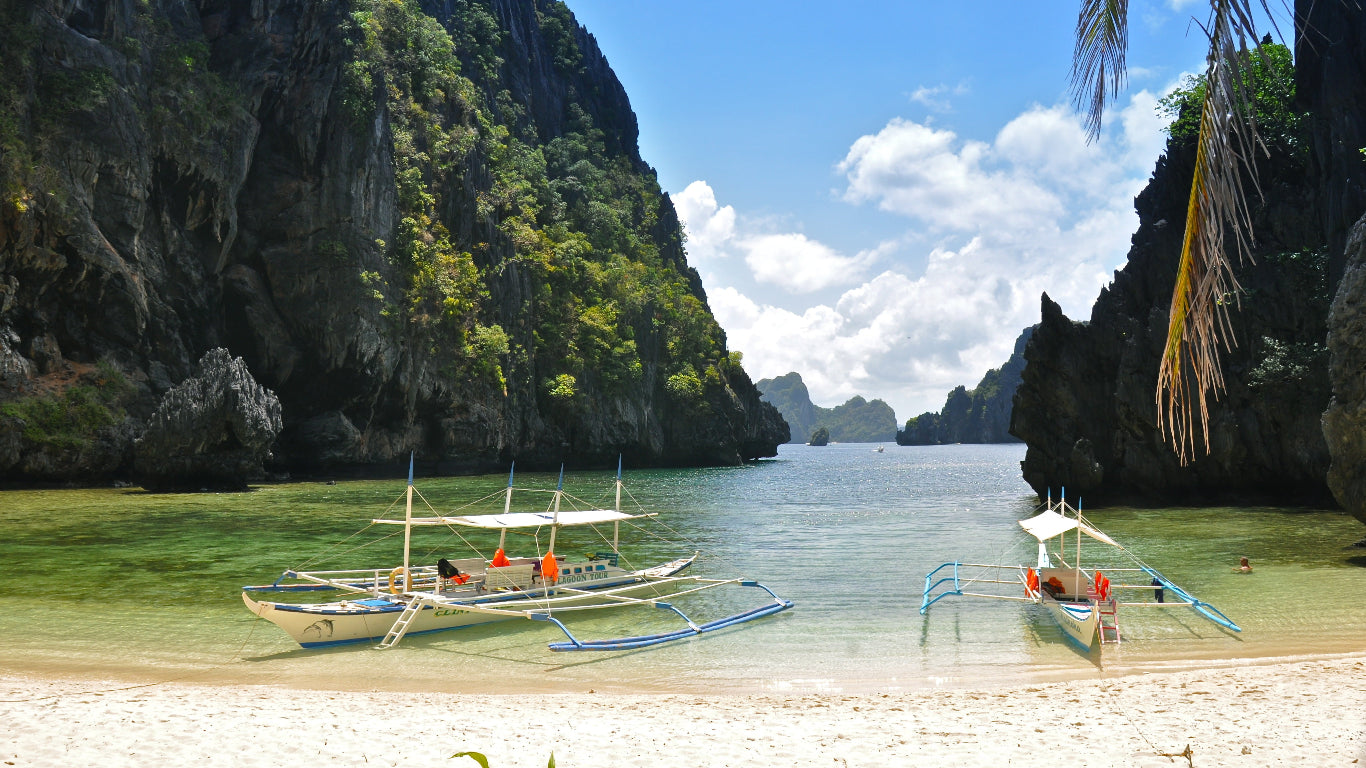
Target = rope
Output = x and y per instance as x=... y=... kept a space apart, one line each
x=322 y=557
x=1114 y=700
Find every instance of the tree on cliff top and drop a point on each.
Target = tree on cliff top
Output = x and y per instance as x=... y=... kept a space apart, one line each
x=1198 y=320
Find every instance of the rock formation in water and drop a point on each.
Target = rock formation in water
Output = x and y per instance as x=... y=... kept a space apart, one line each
x=423 y=225
x=820 y=437
x=1086 y=405
x=856 y=421
x=979 y=416
x=212 y=430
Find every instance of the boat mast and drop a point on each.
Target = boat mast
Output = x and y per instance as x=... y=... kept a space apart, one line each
x=507 y=507
x=554 y=528
x=555 y=521
x=1079 y=536
x=408 y=528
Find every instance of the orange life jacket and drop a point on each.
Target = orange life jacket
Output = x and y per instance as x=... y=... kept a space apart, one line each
x=500 y=560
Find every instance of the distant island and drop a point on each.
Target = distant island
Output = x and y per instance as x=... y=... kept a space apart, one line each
x=857 y=421
x=981 y=415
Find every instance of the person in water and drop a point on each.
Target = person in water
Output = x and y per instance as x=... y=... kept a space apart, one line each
x=1243 y=567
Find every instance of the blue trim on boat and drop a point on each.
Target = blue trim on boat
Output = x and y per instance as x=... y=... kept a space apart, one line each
x=925 y=601
x=643 y=641
x=377 y=638
x=1199 y=606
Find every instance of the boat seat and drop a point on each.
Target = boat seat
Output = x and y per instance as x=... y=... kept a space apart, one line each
x=508 y=577
x=472 y=566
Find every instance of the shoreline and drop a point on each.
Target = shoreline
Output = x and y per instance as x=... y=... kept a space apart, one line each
x=568 y=674
x=1302 y=711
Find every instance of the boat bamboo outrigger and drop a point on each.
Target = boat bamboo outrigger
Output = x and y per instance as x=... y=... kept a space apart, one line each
x=387 y=604
x=1084 y=602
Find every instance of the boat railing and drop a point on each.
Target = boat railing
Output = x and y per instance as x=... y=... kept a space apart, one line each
x=985 y=573
x=359 y=580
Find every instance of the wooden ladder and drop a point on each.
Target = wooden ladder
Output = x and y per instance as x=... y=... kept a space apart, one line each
x=400 y=627
x=1109 y=608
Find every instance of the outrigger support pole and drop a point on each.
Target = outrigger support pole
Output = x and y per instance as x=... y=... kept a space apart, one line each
x=693 y=629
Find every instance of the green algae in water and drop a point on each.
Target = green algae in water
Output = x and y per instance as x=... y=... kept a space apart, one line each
x=128 y=583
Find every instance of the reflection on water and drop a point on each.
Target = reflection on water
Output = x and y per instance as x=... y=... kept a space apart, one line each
x=110 y=581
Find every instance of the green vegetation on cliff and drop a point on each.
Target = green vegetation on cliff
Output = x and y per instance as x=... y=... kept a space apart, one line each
x=425 y=226
x=583 y=221
x=71 y=417
x=1269 y=74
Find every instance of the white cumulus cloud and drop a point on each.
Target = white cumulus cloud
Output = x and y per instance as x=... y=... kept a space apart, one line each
x=789 y=260
x=930 y=175
x=798 y=264
x=991 y=226
x=709 y=227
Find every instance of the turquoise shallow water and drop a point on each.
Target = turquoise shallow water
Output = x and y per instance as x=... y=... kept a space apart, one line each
x=146 y=586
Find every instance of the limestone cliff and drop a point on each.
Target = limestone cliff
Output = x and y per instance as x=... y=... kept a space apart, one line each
x=1330 y=53
x=424 y=226
x=979 y=416
x=1295 y=352
x=1086 y=405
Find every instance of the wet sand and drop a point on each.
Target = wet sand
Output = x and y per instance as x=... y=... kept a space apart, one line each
x=1259 y=713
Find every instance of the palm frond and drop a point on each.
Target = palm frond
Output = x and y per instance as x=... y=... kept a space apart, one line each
x=1218 y=231
x=1098 y=69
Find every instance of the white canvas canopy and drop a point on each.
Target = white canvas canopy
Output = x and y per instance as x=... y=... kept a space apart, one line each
x=1049 y=524
x=525 y=519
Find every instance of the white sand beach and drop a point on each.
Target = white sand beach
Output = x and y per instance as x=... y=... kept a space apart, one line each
x=1309 y=712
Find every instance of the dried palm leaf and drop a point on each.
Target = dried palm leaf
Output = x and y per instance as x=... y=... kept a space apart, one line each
x=1218 y=232
x=1190 y=371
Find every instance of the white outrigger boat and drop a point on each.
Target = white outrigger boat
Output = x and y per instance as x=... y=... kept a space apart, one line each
x=388 y=603
x=1084 y=602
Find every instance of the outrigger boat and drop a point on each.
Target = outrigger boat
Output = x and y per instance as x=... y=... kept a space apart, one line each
x=389 y=603
x=1083 y=602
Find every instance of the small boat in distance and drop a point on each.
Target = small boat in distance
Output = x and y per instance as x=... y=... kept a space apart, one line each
x=387 y=603
x=1083 y=602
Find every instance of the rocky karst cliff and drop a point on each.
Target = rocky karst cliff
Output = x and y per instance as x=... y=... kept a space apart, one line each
x=1086 y=406
x=1291 y=425
x=979 y=416
x=424 y=226
x=212 y=430
x=1330 y=80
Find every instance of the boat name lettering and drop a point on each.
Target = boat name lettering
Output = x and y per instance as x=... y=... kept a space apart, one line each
x=577 y=577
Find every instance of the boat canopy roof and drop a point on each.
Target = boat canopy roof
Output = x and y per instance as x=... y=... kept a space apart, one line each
x=1049 y=524
x=524 y=519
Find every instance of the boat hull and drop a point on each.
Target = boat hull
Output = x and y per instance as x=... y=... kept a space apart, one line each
x=1078 y=620
x=369 y=619
x=356 y=621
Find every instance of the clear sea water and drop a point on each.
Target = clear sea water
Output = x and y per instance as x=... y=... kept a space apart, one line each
x=131 y=585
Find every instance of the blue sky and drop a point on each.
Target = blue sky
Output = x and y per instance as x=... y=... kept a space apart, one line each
x=877 y=193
